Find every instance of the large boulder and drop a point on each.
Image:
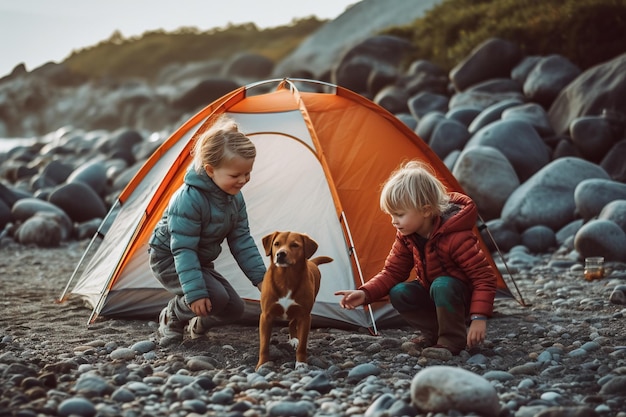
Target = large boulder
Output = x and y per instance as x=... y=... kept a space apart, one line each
x=600 y=88
x=547 y=198
x=358 y=63
x=518 y=141
x=494 y=58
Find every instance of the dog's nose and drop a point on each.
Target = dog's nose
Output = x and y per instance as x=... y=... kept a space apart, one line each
x=280 y=255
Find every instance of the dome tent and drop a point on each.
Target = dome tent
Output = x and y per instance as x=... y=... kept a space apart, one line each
x=322 y=156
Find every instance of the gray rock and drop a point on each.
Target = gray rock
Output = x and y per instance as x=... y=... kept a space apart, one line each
x=618 y=295
x=355 y=66
x=532 y=113
x=598 y=88
x=616 y=385
x=539 y=239
x=79 y=201
x=504 y=234
x=448 y=136
x=568 y=231
x=92 y=174
x=491 y=114
x=518 y=141
x=380 y=78
x=615 y=211
x=203 y=92
x=248 y=66
x=464 y=114
x=548 y=77
x=25 y=208
x=427 y=123
x=393 y=99
x=591 y=195
x=613 y=162
x=423 y=82
x=424 y=103
x=525 y=66
x=497 y=86
x=361 y=371
x=593 y=136
x=547 y=198
x=491 y=59
x=44 y=229
x=76 y=407
x=444 y=388
x=488 y=177
x=408 y=120
x=601 y=238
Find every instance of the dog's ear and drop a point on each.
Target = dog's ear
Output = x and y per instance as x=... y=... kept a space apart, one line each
x=267 y=243
x=310 y=246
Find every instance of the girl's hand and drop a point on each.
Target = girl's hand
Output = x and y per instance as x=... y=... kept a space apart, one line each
x=351 y=298
x=201 y=307
x=476 y=333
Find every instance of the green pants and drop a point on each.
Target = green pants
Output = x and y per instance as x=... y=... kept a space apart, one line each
x=440 y=313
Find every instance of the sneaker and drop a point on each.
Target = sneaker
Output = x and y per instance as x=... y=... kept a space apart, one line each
x=170 y=328
x=196 y=328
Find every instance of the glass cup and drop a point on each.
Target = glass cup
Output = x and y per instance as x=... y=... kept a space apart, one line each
x=594 y=268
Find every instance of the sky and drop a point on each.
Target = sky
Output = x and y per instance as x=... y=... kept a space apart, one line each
x=34 y=32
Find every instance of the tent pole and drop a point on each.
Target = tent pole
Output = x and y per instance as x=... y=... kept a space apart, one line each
x=358 y=266
x=63 y=296
x=484 y=227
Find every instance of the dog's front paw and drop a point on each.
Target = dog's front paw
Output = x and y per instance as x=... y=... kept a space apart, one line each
x=294 y=342
x=265 y=365
x=301 y=366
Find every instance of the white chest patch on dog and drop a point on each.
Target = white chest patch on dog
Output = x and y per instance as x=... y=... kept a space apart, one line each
x=285 y=302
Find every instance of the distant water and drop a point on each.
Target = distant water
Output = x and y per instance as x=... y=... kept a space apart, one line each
x=7 y=144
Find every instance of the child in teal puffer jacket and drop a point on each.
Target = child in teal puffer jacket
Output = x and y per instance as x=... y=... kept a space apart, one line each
x=204 y=211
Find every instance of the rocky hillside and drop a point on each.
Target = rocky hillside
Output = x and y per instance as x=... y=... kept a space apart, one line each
x=49 y=97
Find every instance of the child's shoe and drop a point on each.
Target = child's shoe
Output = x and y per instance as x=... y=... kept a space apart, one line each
x=196 y=328
x=170 y=328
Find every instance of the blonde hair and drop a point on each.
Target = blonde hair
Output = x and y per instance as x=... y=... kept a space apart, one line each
x=414 y=186
x=220 y=143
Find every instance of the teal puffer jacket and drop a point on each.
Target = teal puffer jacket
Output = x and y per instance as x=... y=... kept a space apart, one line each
x=198 y=218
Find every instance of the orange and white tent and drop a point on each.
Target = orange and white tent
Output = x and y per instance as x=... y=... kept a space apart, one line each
x=322 y=156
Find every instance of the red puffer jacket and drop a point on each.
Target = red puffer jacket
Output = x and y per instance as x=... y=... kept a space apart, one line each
x=452 y=250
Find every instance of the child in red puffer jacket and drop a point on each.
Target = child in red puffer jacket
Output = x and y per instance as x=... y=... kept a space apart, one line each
x=455 y=282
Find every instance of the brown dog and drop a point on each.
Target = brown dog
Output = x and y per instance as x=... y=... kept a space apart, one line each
x=290 y=286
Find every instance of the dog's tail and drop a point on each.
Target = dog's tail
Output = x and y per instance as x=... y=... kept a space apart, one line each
x=321 y=260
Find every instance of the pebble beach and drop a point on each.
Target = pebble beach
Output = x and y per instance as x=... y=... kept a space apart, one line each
x=563 y=354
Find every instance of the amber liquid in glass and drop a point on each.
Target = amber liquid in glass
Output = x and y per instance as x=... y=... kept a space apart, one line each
x=592 y=274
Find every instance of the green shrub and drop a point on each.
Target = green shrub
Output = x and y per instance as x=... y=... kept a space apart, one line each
x=587 y=32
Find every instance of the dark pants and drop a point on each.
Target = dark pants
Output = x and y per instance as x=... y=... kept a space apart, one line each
x=439 y=313
x=227 y=305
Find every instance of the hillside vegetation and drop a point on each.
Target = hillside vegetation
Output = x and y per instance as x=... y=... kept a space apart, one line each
x=145 y=55
x=585 y=31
